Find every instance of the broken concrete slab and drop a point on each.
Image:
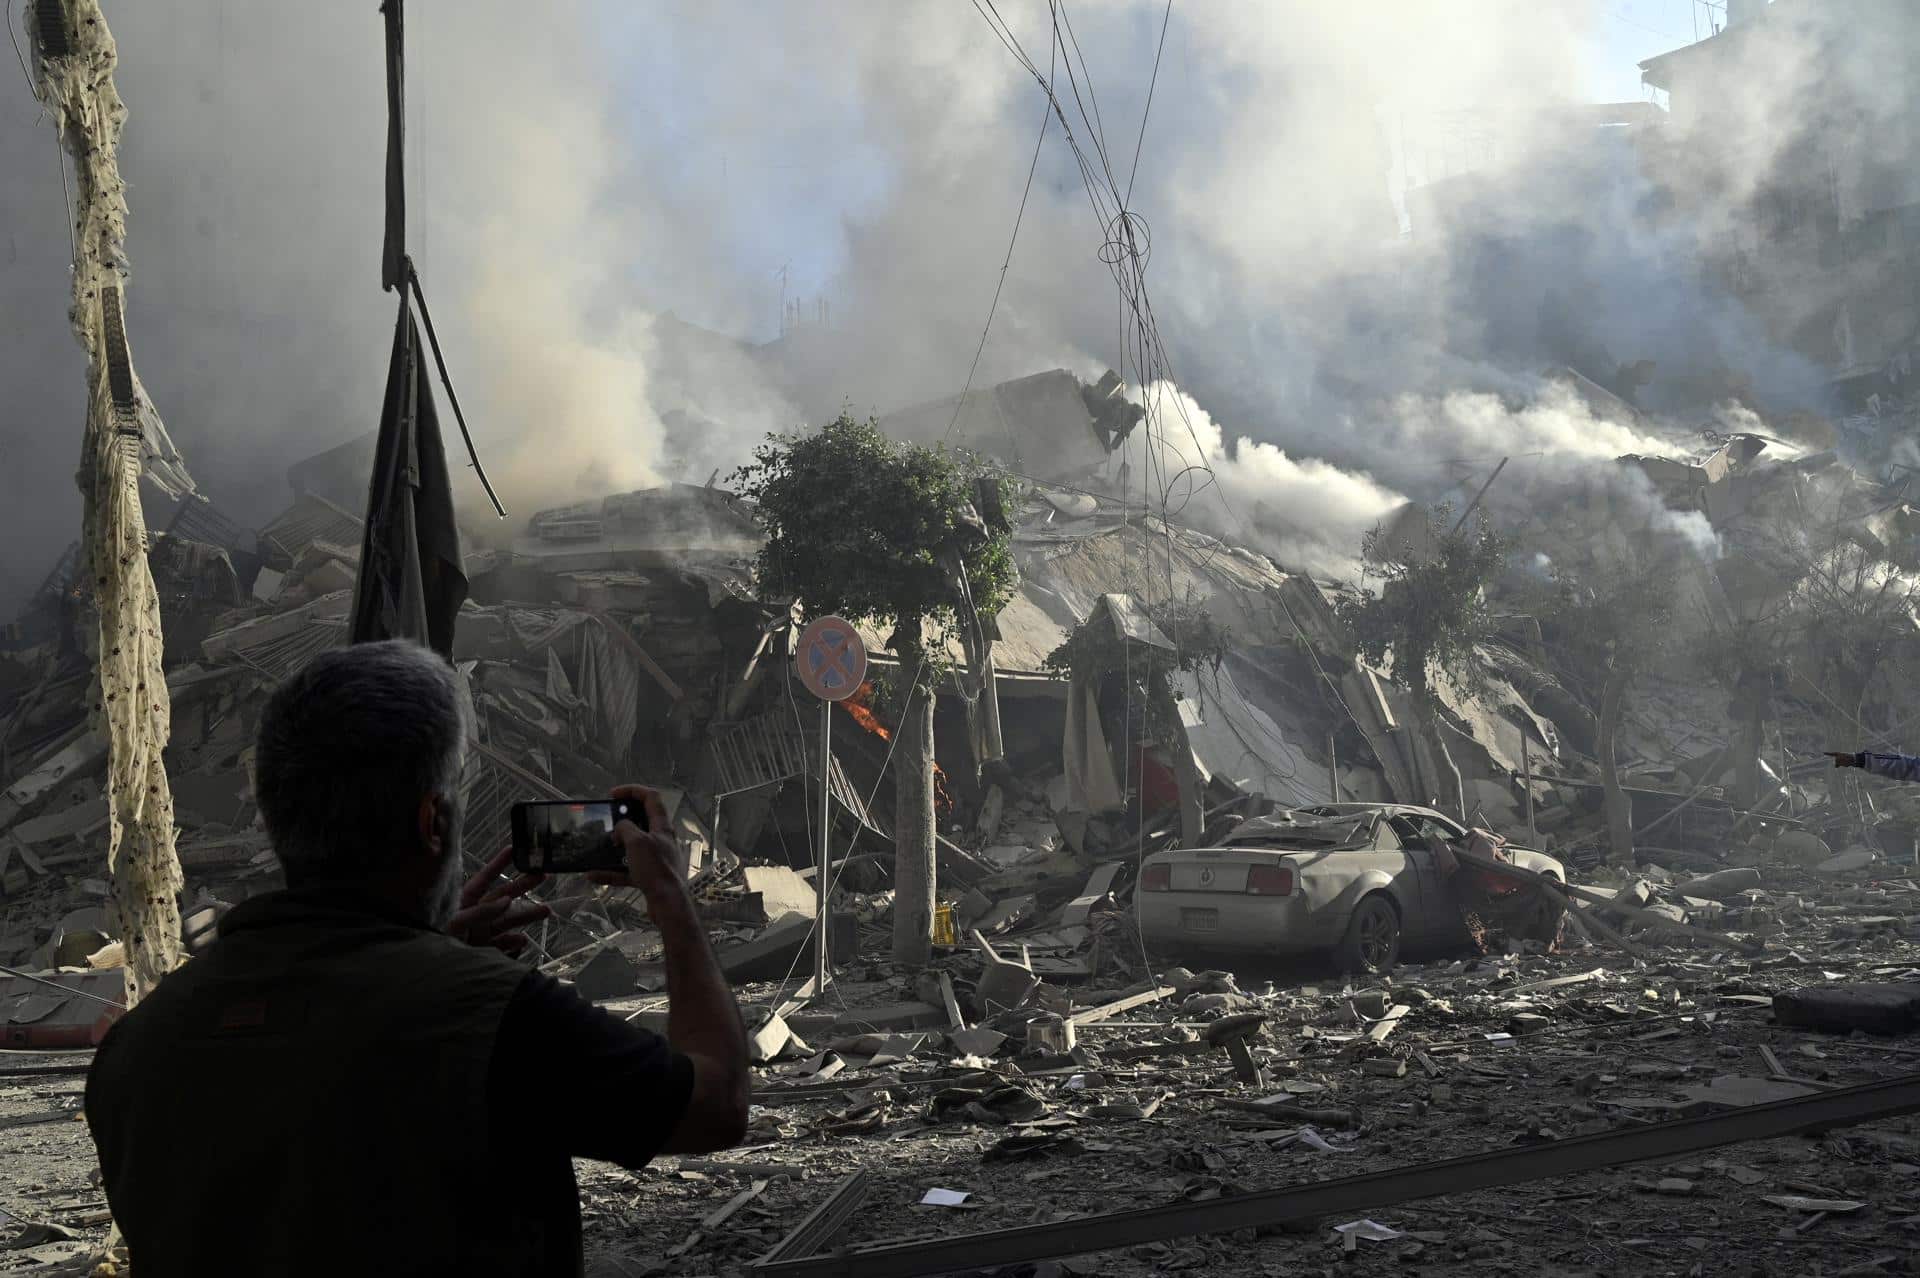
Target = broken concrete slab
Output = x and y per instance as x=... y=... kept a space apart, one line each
x=769 y=1039
x=1851 y=861
x=1722 y=885
x=61 y=823
x=978 y=1041
x=1005 y=914
x=1003 y=984
x=608 y=974
x=1736 y=1091
x=909 y=1015
x=784 y=947
x=782 y=891
x=896 y=1048
x=1099 y=885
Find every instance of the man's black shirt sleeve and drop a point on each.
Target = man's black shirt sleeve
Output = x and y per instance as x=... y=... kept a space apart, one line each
x=569 y=1076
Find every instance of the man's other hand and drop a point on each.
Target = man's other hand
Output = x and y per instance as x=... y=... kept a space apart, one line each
x=655 y=859
x=1844 y=759
x=491 y=912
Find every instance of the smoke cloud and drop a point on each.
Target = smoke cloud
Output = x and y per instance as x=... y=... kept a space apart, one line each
x=608 y=209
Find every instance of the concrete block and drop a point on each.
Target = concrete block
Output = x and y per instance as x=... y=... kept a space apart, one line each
x=782 y=891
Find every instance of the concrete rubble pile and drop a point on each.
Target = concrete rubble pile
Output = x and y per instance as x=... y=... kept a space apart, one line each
x=1004 y=1085
x=1052 y=1062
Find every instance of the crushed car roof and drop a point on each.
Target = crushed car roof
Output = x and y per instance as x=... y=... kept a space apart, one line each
x=1295 y=828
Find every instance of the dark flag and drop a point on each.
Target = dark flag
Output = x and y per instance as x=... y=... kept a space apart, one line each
x=393 y=253
x=411 y=582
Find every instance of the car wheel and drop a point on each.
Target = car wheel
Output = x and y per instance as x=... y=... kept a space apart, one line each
x=1372 y=943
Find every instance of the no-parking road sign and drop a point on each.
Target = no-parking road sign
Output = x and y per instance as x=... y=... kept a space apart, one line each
x=832 y=659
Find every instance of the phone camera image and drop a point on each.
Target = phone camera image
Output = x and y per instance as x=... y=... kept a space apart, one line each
x=569 y=836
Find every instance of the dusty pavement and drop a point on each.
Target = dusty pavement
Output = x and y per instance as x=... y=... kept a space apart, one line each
x=1491 y=1052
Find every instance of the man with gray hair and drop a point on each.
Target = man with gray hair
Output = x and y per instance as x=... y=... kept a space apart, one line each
x=355 y=1077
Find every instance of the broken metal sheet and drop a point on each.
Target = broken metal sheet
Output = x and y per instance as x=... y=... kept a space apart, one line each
x=1238 y=744
x=311 y=518
x=1099 y=884
x=1066 y=571
x=279 y=643
x=1088 y=764
x=1130 y=620
x=35 y=1007
x=75 y=757
x=559 y=687
x=610 y=687
x=755 y=753
x=818 y=1227
x=1024 y=634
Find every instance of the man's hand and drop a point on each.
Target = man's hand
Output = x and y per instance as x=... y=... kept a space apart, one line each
x=488 y=913
x=703 y=1021
x=655 y=859
x=1844 y=759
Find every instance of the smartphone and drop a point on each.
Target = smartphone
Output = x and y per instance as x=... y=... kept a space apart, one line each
x=568 y=836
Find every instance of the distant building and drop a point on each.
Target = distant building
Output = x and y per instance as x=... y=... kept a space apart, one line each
x=1794 y=141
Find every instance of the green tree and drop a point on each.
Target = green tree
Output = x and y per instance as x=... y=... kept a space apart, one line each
x=861 y=526
x=1431 y=609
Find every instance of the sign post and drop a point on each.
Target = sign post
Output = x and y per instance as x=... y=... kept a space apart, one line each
x=832 y=661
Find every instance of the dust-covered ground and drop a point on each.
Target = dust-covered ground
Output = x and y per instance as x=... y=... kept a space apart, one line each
x=1140 y=1119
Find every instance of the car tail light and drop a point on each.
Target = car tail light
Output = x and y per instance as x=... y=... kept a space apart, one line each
x=1156 y=878
x=1270 y=880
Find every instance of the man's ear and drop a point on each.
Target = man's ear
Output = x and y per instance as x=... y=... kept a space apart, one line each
x=435 y=825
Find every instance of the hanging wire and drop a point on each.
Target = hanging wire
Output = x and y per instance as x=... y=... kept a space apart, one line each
x=18 y=56
x=993 y=307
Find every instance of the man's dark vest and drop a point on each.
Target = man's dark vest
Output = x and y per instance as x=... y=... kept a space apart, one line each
x=309 y=1096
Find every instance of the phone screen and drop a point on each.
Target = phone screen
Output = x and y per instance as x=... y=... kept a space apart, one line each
x=568 y=835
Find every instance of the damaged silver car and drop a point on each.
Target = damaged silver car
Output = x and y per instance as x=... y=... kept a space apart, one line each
x=1359 y=881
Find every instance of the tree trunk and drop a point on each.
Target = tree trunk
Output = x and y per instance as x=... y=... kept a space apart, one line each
x=977 y=685
x=913 y=850
x=1752 y=697
x=1753 y=738
x=1614 y=801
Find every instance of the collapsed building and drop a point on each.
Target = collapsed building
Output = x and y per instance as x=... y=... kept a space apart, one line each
x=624 y=637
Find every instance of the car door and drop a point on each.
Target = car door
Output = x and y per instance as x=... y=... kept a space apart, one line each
x=1388 y=853
x=1449 y=925
x=1421 y=839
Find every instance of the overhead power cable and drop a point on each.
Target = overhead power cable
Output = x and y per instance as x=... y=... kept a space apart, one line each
x=993 y=307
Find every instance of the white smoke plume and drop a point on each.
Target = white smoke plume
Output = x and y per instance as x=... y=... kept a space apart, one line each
x=608 y=205
x=1308 y=514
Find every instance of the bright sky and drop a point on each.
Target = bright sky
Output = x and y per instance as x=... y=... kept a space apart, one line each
x=1634 y=30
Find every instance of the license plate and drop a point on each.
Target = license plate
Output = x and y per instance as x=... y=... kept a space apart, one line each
x=1200 y=920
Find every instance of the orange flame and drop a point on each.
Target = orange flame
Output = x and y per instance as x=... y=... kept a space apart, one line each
x=859 y=705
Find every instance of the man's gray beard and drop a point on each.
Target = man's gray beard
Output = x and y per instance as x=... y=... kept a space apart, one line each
x=446 y=892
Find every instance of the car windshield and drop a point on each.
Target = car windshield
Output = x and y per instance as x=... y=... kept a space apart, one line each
x=1301 y=829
